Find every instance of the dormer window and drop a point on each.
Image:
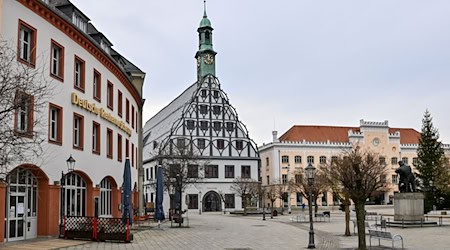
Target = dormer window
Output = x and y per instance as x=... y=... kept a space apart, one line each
x=104 y=46
x=79 y=22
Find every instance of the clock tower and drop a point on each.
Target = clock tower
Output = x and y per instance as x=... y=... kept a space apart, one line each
x=206 y=56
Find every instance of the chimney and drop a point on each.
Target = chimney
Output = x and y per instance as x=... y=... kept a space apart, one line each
x=275 y=136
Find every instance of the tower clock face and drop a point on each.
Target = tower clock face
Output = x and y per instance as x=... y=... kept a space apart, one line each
x=209 y=59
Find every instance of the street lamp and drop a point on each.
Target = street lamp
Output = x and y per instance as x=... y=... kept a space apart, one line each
x=289 y=188
x=310 y=171
x=70 y=167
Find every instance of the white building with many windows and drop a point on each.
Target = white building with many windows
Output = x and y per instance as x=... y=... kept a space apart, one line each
x=304 y=144
x=203 y=119
x=93 y=114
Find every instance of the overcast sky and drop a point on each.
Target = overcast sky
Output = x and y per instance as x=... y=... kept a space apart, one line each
x=294 y=62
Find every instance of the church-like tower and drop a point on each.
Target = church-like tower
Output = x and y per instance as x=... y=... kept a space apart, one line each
x=206 y=63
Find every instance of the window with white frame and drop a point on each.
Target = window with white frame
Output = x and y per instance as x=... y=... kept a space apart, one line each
x=75 y=195
x=57 y=60
x=78 y=133
x=105 y=198
x=27 y=43
x=55 y=128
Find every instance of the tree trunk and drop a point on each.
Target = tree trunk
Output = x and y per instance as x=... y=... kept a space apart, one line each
x=245 y=204
x=347 y=216
x=360 y=219
x=316 y=207
x=271 y=210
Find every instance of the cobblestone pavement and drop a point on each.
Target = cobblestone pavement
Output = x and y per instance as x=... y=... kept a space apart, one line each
x=215 y=231
x=228 y=232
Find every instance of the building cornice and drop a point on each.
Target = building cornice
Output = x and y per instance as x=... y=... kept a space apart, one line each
x=82 y=39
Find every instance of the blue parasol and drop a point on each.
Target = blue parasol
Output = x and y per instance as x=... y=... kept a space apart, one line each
x=159 y=214
x=126 y=194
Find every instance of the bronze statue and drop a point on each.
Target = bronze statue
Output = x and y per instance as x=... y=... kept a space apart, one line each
x=407 y=181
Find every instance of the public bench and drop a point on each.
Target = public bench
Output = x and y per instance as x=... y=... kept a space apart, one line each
x=383 y=235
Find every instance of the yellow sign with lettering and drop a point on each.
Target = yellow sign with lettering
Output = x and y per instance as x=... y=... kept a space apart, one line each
x=85 y=104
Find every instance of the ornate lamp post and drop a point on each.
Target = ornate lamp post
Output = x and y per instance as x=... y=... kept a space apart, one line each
x=70 y=167
x=310 y=172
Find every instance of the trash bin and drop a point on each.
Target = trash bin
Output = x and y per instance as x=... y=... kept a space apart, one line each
x=326 y=213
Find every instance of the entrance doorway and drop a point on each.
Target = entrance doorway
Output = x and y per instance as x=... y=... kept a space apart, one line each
x=21 y=205
x=212 y=202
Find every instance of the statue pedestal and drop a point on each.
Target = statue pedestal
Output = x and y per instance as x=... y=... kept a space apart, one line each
x=408 y=206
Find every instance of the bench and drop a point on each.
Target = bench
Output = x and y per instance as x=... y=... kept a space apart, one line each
x=323 y=216
x=383 y=235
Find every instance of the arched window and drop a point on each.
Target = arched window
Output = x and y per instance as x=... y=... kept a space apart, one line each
x=105 y=198
x=74 y=195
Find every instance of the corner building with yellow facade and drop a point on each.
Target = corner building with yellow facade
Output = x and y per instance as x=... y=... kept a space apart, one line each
x=94 y=115
x=303 y=144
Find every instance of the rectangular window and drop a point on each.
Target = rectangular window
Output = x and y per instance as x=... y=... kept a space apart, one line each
x=268 y=179
x=132 y=116
x=119 y=147
x=212 y=171
x=230 y=126
x=109 y=143
x=57 y=60
x=334 y=159
x=190 y=124
x=127 y=110
x=245 y=172
x=95 y=138
x=322 y=159
x=192 y=171
x=415 y=161
x=147 y=174
x=132 y=154
x=217 y=126
x=216 y=110
x=203 y=125
x=285 y=159
x=119 y=103
x=55 y=124
x=27 y=44
x=24 y=114
x=267 y=161
x=297 y=159
x=97 y=86
x=310 y=159
x=151 y=173
x=239 y=145
x=136 y=117
x=394 y=179
x=405 y=160
x=298 y=179
x=394 y=160
x=201 y=143
x=79 y=73
x=220 y=144
x=110 y=95
x=229 y=171
x=193 y=201
x=382 y=160
x=284 y=178
x=203 y=109
x=78 y=131
x=229 y=200
x=127 y=148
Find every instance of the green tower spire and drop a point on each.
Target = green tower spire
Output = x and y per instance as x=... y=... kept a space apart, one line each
x=206 y=63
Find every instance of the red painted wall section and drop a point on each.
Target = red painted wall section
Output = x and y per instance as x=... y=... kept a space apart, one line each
x=2 y=210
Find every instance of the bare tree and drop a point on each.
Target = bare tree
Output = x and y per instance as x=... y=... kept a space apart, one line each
x=24 y=92
x=182 y=167
x=360 y=174
x=272 y=195
x=320 y=185
x=246 y=188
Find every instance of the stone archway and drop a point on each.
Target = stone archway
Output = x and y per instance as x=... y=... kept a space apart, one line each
x=212 y=202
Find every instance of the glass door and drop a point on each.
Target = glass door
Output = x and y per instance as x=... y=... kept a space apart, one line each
x=16 y=213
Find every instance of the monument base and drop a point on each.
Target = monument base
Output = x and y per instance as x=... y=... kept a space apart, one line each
x=408 y=207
